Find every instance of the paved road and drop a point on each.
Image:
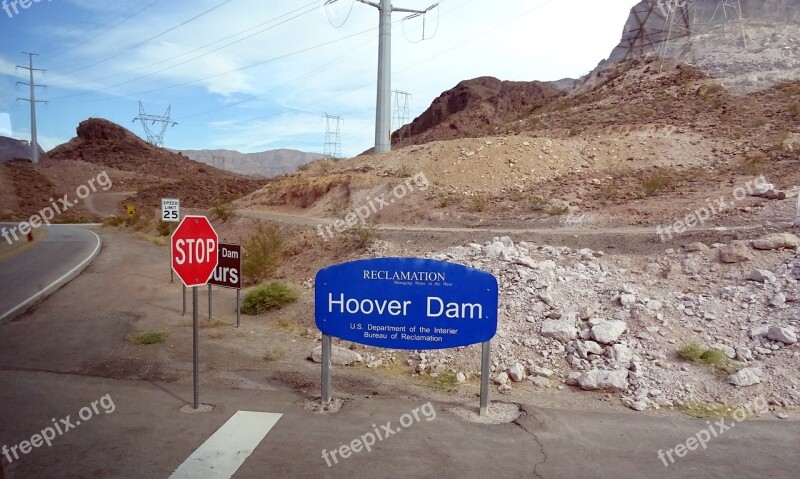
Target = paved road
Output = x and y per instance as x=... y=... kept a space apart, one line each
x=48 y=371
x=29 y=271
x=147 y=436
x=310 y=221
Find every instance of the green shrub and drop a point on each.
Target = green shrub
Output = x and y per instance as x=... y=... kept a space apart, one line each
x=164 y=228
x=655 y=183
x=444 y=381
x=479 y=203
x=114 y=221
x=222 y=211
x=713 y=357
x=261 y=253
x=361 y=236
x=150 y=338
x=274 y=354
x=268 y=296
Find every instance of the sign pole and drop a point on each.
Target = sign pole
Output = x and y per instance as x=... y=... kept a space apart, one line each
x=238 y=296
x=194 y=346
x=209 y=302
x=326 y=369
x=184 y=301
x=485 y=357
x=797 y=213
x=171 y=272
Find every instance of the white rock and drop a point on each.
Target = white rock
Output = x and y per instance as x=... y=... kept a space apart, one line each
x=777 y=241
x=621 y=354
x=501 y=379
x=461 y=377
x=654 y=305
x=608 y=332
x=627 y=299
x=562 y=330
x=542 y=372
x=746 y=377
x=606 y=380
x=762 y=276
x=516 y=372
x=784 y=335
x=339 y=356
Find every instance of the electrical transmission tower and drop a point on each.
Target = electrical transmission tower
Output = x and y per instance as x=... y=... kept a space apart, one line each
x=683 y=25
x=333 y=143
x=401 y=108
x=33 y=101
x=383 y=110
x=155 y=137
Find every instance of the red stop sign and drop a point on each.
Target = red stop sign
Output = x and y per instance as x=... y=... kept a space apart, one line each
x=193 y=249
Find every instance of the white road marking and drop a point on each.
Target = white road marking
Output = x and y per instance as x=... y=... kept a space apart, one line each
x=55 y=284
x=226 y=450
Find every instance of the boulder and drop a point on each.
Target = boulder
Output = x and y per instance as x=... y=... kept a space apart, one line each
x=762 y=276
x=516 y=372
x=784 y=335
x=746 y=377
x=604 y=380
x=734 y=254
x=339 y=356
x=563 y=331
x=777 y=241
x=608 y=332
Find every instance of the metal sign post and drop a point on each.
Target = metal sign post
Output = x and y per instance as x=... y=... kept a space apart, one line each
x=797 y=213
x=326 y=369
x=209 y=302
x=184 y=301
x=485 y=359
x=195 y=348
x=238 y=302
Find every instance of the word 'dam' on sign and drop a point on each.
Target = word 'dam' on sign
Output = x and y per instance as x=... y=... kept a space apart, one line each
x=406 y=303
x=228 y=273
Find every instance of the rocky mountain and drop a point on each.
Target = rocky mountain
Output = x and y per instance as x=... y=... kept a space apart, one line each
x=473 y=108
x=747 y=50
x=101 y=142
x=265 y=164
x=11 y=149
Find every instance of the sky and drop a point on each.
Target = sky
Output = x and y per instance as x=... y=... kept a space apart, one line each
x=255 y=75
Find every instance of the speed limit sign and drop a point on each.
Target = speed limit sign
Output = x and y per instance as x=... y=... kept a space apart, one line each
x=170 y=210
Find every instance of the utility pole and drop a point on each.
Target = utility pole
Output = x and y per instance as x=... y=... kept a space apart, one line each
x=333 y=142
x=383 y=111
x=33 y=101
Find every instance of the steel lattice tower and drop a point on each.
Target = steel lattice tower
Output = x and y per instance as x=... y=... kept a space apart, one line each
x=401 y=109
x=154 y=137
x=333 y=143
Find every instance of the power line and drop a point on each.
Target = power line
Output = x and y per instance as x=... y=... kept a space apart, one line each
x=136 y=45
x=200 y=48
x=190 y=59
x=93 y=37
x=383 y=119
x=253 y=65
x=322 y=67
x=33 y=101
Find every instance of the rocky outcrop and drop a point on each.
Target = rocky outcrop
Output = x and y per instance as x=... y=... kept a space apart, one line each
x=473 y=108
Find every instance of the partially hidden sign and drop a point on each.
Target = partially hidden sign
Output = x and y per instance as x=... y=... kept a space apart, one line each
x=406 y=303
x=228 y=272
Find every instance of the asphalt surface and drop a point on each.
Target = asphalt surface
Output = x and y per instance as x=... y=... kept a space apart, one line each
x=68 y=352
x=29 y=271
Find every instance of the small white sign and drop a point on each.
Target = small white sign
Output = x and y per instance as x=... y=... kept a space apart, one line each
x=170 y=210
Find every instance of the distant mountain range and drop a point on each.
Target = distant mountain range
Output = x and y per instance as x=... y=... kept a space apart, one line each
x=266 y=164
x=11 y=148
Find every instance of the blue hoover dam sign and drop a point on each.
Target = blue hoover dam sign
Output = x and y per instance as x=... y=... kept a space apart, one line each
x=406 y=303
